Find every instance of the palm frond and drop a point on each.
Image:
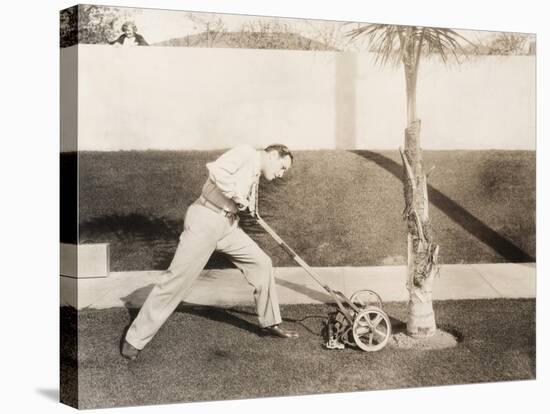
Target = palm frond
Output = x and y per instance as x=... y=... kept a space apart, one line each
x=436 y=45
x=391 y=42
x=382 y=39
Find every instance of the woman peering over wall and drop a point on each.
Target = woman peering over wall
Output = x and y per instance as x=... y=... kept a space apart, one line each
x=130 y=36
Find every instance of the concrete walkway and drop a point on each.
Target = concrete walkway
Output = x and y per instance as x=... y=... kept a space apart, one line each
x=227 y=287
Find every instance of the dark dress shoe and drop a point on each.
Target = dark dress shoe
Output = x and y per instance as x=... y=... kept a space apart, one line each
x=279 y=332
x=129 y=351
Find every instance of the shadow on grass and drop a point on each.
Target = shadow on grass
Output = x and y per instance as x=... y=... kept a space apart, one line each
x=457 y=213
x=135 y=300
x=134 y=226
x=124 y=229
x=221 y=315
x=160 y=234
x=235 y=316
x=304 y=290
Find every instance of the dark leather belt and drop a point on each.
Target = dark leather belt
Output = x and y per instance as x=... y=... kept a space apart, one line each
x=202 y=200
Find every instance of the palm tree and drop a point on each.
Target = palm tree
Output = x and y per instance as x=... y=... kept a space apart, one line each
x=407 y=44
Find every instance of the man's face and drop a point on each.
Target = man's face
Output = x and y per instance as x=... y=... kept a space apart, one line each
x=275 y=167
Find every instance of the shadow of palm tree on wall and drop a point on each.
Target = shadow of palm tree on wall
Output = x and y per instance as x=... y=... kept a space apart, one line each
x=456 y=213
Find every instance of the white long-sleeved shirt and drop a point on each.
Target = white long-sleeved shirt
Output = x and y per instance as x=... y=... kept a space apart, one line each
x=232 y=178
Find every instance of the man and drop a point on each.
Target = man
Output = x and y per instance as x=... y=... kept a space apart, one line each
x=211 y=224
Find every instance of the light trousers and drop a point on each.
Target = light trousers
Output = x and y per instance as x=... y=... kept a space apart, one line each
x=206 y=231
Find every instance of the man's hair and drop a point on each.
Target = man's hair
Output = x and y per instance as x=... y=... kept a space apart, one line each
x=282 y=150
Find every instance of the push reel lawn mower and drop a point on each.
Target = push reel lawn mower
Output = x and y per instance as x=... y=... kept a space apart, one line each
x=358 y=321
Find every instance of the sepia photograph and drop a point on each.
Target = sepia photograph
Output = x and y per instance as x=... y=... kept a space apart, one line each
x=256 y=206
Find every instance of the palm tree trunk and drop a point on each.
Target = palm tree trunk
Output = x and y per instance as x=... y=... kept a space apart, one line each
x=422 y=252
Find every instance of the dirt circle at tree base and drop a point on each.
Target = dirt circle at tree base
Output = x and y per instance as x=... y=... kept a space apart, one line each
x=439 y=340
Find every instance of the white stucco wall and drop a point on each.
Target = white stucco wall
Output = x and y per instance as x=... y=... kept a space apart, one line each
x=192 y=98
x=486 y=103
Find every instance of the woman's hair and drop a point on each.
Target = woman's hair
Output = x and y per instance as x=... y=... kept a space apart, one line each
x=281 y=149
x=129 y=24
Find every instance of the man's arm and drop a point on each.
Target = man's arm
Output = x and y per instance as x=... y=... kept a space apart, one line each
x=222 y=172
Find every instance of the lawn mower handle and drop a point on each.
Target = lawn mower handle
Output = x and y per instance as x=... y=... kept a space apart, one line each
x=338 y=296
x=292 y=253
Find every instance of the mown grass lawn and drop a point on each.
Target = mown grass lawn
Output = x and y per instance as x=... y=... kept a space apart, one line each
x=211 y=354
x=335 y=208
